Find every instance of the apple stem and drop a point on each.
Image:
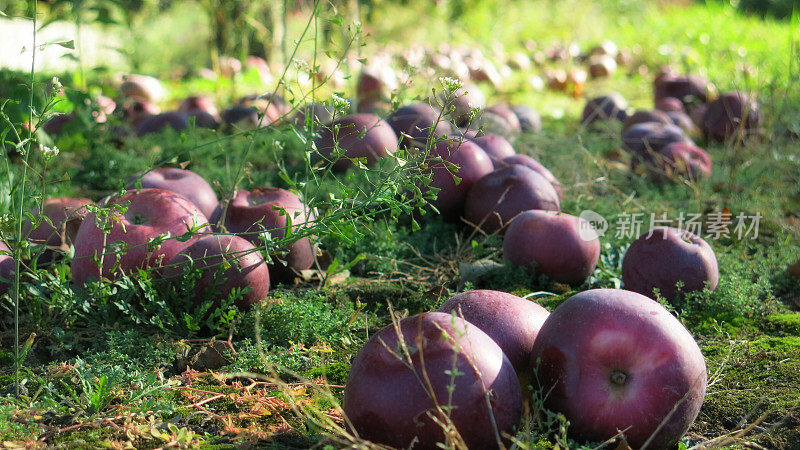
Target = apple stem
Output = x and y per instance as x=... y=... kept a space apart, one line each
x=618 y=377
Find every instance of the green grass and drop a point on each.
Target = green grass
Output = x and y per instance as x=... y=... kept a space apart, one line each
x=129 y=334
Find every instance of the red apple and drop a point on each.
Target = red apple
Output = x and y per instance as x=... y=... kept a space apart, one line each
x=153 y=124
x=138 y=110
x=360 y=136
x=472 y=162
x=644 y=116
x=267 y=211
x=226 y=263
x=729 y=116
x=645 y=140
x=529 y=120
x=412 y=124
x=64 y=216
x=150 y=213
x=665 y=257
x=669 y=104
x=460 y=103
x=601 y=66
x=182 y=181
x=512 y=322
x=605 y=107
x=496 y=198
x=615 y=361
x=55 y=125
x=532 y=163
x=244 y=117
x=685 y=159
x=688 y=89
x=496 y=146
x=505 y=111
x=391 y=393
x=563 y=247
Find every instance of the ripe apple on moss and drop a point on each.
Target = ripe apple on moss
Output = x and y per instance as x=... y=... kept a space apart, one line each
x=512 y=322
x=226 y=262
x=386 y=402
x=472 y=163
x=360 y=136
x=565 y=248
x=150 y=213
x=662 y=257
x=267 y=212
x=184 y=182
x=616 y=361
x=496 y=198
x=60 y=224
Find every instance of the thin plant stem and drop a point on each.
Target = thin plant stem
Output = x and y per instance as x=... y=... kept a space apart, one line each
x=21 y=212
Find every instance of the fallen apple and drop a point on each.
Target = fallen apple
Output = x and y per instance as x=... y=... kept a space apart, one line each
x=512 y=322
x=614 y=361
x=664 y=256
x=497 y=197
x=364 y=136
x=565 y=248
x=226 y=263
x=431 y=368
x=149 y=214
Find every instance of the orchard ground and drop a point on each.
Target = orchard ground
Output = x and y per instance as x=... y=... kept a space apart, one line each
x=118 y=366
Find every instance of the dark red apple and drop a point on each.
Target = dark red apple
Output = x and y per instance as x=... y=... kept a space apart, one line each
x=319 y=113
x=731 y=115
x=153 y=124
x=669 y=104
x=512 y=322
x=563 y=247
x=643 y=116
x=226 y=263
x=267 y=211
x=55 y=125
x=532 y=163
x=150 y=213
x=202 y=108
x=645 y=140
x=245 y=117
x=686 y=159
x=360 y=136
x=64 y=216
x=492 y=122
x=683 y=120
x=459 y=104
x=182 y=181
x=505 y=111
x=666 y=257
x=375 y=83
x=615 y=361
x=412 y=124
x=138 y=110
x=606 y=107
x=688 y=89
x=495 y=199
x=496 y=146
x=472 y=162
x=529 y=120
x=400 y=375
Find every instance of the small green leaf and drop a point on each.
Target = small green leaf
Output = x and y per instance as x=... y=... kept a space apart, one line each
x=66 y=44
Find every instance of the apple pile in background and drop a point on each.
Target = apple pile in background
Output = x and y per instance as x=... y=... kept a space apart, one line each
x=610 y=360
